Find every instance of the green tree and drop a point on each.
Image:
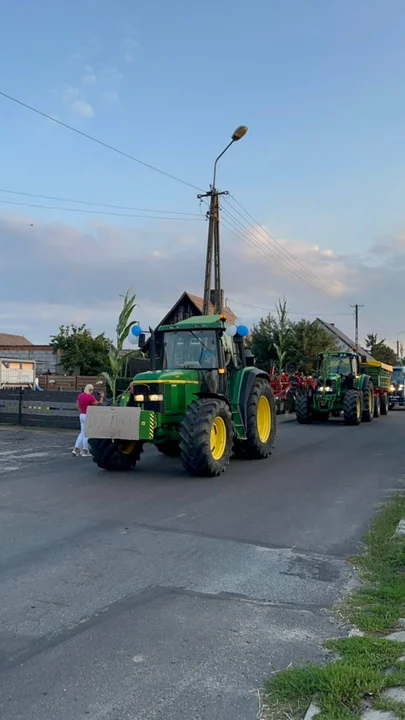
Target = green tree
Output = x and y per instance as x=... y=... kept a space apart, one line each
x=380 y=350
x=309 y=340
x=81 y=353
x=262 y=342
x=117 y=356
x=283 y=334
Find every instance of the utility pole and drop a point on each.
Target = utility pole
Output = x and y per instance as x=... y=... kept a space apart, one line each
x=213 y=249
x=213 y=245
x=356 y=323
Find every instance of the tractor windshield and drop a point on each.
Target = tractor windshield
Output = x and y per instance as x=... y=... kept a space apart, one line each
x=196 y=349
x=340 y=365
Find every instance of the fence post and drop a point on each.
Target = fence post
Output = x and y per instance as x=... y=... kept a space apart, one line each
x=20 y=405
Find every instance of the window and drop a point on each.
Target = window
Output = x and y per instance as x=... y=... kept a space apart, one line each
x=193 y=349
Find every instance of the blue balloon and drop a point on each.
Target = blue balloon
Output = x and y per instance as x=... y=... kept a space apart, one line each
x=243 y=330
x=136 y=330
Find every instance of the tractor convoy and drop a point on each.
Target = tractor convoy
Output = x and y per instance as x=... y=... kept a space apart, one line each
x=204 y=400
x=345 y=384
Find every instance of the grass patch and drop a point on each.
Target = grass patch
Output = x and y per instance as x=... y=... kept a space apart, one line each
x=340 y=686
x=365 y=665
x=380 y=603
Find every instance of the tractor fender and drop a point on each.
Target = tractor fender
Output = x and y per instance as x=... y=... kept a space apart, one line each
x=250 y=375
x=215 y=396
x=364 y=379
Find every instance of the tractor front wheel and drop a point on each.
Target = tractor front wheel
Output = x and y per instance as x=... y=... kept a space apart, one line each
x=260 y=423
x=115 y=455
x=352 y=407
x=368 y=402
x=303 y=410
x=206 y=437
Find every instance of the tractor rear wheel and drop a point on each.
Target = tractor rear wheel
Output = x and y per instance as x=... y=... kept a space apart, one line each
x=368 y=401
x=206 y=437
x=377 y=406
x=260 y=423
x=115 y=455
x=169 y=448
x=384 y=404
x=352 y=407
x=303 y=410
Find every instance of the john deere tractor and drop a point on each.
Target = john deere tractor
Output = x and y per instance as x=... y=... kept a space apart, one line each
x=341 y=386
x=206 y=402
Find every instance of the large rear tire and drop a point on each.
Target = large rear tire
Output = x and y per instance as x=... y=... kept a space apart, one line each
x=303 y=410
x=368 y=401
x=384 y=404
x=352 y=407
x=260 y=423
x=377 y=406
x=115 y=455
x=206 y=437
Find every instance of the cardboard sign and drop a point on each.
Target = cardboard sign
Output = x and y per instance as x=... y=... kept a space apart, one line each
x=113 y=423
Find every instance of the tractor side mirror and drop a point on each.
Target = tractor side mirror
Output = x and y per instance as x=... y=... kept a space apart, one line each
x=363 y=359
x=142 y=341
x=250 y=361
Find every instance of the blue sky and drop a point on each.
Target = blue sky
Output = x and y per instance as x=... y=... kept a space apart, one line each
x=320 y=85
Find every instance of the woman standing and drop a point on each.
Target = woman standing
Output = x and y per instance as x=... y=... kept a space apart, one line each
x=85 y=400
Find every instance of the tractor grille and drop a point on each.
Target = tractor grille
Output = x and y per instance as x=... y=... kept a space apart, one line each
x=147 y=391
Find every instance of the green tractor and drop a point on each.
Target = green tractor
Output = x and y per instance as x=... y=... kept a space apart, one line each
x=342 y=386
x=206 y=402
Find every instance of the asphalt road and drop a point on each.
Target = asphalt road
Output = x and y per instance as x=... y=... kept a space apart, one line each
x=152 y=595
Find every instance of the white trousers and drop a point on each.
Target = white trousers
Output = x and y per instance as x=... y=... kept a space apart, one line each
x=82 y=441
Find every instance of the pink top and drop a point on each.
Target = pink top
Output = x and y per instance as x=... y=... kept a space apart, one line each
x=84 y=400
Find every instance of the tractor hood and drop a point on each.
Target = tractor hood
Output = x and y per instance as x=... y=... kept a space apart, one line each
x=174 y=377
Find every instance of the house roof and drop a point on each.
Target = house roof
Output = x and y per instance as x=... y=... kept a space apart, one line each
x=198 y=302
x=9 y=340
x=344 y=338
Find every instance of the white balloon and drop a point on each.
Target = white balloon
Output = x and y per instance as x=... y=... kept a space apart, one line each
x=132 y=339
x=231 y=330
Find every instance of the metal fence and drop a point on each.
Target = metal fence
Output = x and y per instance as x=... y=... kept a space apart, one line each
x=40 y=409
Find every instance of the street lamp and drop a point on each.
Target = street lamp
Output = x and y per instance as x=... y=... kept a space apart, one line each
x=239 y=133
x=213 y=233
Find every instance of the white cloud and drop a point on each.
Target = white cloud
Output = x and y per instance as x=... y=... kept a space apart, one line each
x=110 y=96
x=82 y=108
x=129 y=58
x=71 y=274
x=89 y=78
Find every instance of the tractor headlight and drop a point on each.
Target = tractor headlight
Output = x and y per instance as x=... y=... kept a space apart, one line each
x=401 y=387
x=325 y=388
x=139 y=398
x=392 y=388
x=155 y=398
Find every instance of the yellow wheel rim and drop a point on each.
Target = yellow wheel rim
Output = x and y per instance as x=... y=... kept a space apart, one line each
x=358 y=407
x=126 y=446
x=263 y=419
x=370 y=400
x=218 y=438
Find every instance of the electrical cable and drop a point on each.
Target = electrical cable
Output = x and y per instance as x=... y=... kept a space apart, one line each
x=96 y=140
x=95 y=204
x=99 y=212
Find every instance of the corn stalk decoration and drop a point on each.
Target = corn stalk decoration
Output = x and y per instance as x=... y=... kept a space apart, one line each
x=117 y=358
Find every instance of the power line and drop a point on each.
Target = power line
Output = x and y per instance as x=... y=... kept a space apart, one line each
x=95 y=204
x=98 y=212
x=96 y=140
x=268 y=252
x=278 y=247
x=258 y=307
